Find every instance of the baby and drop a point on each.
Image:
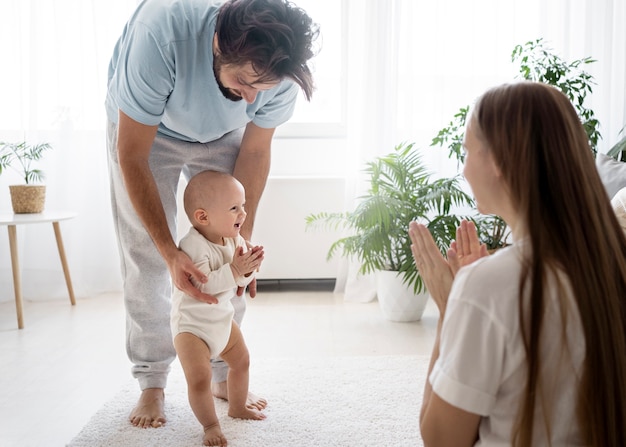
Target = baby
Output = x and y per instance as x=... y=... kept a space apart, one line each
x=214 y=203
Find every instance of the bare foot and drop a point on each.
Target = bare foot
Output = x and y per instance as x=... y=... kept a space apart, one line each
x=253 y=402
x=213 y=436
x=149 y=410
x=246 y=413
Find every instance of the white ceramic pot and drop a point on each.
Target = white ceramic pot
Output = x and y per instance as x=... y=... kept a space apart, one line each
x=397 y=300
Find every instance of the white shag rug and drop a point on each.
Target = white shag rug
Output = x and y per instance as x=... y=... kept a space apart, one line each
x=312 y=402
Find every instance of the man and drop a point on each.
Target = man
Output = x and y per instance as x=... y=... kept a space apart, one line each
x=193 y=85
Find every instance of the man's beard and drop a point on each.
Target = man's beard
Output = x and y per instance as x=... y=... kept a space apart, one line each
x=228 y=94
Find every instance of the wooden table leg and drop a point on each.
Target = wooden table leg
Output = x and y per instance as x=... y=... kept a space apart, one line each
x=17 y=284
x=66 y=270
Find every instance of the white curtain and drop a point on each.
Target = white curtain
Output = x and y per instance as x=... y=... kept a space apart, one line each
x=410 y=65
x=413 y=64
x=55 y=55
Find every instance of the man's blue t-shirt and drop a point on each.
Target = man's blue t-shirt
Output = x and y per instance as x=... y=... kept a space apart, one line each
x=161 y=73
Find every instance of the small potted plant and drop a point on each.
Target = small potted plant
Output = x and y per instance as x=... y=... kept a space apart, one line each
x=400 y=191
x=27 y=197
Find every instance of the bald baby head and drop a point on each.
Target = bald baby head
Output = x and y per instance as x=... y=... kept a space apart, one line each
x=207 y=189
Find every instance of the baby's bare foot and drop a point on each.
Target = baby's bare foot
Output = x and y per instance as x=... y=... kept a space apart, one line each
x=213 y=436
x=246 y=413
x=253 y=402
x=149 y=409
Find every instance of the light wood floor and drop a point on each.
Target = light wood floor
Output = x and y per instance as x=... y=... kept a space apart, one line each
x=67 y=361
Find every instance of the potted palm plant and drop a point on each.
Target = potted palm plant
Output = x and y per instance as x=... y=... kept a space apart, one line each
x=401 y=190
x=28 y=197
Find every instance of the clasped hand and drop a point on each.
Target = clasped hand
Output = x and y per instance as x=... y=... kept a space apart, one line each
x=436 y=271
x=246 y=263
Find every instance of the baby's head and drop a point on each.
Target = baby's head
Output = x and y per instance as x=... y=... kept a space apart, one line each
x=214 y=203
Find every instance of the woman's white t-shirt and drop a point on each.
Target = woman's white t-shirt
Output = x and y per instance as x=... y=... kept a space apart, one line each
x=482 y=368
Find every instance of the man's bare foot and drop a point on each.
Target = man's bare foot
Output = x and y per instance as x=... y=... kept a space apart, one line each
x=246 y=413
x=149 y=410
x=253 y=402
x=213 y=436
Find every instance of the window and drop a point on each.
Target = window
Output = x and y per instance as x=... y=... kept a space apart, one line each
x=324 y=116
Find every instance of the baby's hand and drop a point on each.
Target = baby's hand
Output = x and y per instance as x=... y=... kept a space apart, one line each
x=244 y=264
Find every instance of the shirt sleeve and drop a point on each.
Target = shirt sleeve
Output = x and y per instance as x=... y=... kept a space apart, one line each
x=220 y=280
x=210 y=262
x=279 y=108
x=469 y=370
x=144 y=76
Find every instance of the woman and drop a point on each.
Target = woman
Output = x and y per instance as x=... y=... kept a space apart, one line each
x=531 y=342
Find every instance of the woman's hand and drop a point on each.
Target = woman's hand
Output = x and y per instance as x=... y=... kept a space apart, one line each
x=466 y=248
x=436 y=271
x=432 y=266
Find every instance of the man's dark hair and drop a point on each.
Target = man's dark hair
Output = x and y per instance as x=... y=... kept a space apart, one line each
x=275 y=36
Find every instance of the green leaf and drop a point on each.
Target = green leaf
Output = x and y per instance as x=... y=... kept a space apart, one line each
x=537 y=62
x=23 y=155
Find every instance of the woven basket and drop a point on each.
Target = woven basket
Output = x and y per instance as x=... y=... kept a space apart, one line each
x=27 y=199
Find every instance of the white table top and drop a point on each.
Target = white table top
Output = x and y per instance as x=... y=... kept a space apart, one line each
x=46 y=216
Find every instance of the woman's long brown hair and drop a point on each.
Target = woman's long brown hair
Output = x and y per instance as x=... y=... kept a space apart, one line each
x=542 y=150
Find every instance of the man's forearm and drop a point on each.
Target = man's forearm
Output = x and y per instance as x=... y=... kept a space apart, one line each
x=134 y=145
x=252 y=171
x=252 y=168
x=144 y=195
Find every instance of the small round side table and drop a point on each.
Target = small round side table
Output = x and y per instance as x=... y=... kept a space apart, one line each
x=12 y=221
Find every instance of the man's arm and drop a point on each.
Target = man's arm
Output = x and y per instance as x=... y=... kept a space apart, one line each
x=134 y=144
x=251 y=169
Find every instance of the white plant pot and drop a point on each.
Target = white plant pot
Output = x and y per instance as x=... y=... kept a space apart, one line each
x=397 y=300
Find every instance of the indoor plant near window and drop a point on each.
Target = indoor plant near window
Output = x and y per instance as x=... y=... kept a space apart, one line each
x=536 y=62
x=27 y=197
x=539 y=63
x=400 y=191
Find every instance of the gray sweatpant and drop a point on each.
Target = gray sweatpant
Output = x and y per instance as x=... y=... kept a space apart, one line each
x=146 y=280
